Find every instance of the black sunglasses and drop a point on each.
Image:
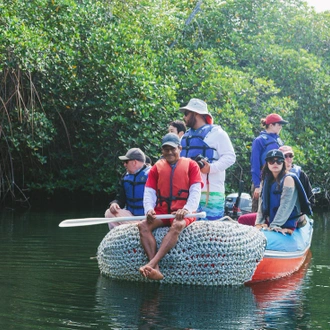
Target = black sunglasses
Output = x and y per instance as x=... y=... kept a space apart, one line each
x=186 y=113
x=288 y=156
x=126 y=161
x=273 y=161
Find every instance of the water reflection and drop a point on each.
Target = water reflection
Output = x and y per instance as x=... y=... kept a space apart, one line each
x=49 y=281
x=185 y=307
x=195 y=307
x=268 y=294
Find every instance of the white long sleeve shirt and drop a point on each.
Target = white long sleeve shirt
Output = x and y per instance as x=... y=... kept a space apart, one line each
x=150 y=198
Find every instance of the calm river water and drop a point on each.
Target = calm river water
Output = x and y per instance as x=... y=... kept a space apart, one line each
x=49 y=279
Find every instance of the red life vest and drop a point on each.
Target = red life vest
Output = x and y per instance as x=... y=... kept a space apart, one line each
x=172 y=186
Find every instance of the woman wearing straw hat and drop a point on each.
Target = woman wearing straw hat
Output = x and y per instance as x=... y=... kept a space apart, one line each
x=211 y=147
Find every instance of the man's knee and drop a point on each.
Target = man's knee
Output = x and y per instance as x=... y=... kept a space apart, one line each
x=143 y=227
x=178 y=226
x=247 y=219
x=108 y=214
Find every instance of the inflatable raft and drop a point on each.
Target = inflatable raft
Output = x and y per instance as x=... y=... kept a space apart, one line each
x=208 y=253
x=284 y=254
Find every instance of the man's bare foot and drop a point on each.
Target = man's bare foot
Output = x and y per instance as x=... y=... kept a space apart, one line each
x=144 y=272
x=152 y=273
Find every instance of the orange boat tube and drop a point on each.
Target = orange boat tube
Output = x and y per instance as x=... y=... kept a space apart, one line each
x=290 y=254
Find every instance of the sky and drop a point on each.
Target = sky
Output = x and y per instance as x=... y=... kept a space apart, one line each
x=319 y=5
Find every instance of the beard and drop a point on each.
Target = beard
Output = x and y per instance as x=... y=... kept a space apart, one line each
x=191 y=122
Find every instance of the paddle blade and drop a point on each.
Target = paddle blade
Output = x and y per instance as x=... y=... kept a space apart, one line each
x=96 y=221
x=99 y=221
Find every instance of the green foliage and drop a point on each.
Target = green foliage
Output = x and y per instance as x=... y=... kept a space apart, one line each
x=83 y=81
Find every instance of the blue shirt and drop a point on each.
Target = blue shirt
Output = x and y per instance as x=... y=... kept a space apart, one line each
x=260 y=146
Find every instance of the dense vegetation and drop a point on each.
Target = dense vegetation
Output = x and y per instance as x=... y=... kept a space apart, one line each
x=84 y=80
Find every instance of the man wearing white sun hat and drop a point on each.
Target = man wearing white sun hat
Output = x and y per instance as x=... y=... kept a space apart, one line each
x=211 y=147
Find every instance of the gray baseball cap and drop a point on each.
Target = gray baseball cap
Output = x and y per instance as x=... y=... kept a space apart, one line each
x=134 y=154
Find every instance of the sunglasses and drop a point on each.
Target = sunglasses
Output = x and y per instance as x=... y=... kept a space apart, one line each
x=126 y=161
x=288 y=156
x=273 y=161
x=186 y=113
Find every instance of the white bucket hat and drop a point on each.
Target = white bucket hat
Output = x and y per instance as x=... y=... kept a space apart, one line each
x=200 y=107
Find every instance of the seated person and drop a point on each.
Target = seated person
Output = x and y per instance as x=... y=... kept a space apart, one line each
x=129 y=199
x=279 y=206
x=289 y=155
x=173 y=186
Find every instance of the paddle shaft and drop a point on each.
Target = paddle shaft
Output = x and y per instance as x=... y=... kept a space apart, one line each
x=99 y=221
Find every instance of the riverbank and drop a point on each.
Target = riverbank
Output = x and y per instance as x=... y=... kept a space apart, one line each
x=61 y=199
x=64 y=199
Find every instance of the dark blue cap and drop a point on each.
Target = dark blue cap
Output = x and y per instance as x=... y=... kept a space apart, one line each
x=170 y=139
x=275 y=153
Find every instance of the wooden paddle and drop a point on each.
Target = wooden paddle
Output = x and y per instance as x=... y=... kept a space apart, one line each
x=98 y=221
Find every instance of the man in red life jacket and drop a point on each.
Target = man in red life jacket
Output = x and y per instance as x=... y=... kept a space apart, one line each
x=173 y=186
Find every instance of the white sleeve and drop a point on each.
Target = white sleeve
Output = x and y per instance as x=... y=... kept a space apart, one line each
x=194 y=197
x=149 y=199
x=220 y=140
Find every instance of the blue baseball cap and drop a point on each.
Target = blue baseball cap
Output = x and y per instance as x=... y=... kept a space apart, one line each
x=170 y=139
